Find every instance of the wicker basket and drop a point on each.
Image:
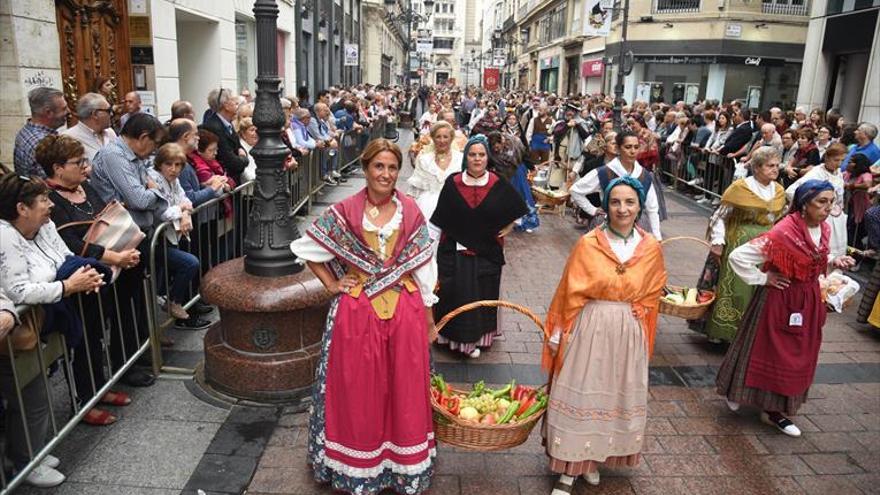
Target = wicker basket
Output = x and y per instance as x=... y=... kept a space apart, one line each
x=690 y=311
x=475 y=436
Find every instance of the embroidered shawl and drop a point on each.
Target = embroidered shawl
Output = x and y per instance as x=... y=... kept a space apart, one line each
x=339 y=230
x=789 y=249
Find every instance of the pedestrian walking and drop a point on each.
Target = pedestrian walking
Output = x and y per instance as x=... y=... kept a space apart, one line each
x=749 y=207
x=772 y=362
x=606 y=304
x=370 y=428
x=476 y=209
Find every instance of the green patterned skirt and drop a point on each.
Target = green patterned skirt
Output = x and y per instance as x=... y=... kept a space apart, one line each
x=733 y=295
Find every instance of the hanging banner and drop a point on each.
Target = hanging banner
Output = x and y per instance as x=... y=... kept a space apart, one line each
x=592 y=68
x=598 y=17
x=490 y=79
x=351 y=55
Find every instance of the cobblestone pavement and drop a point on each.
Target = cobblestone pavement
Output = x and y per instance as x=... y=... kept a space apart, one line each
x=693 y=443
x=174 y=439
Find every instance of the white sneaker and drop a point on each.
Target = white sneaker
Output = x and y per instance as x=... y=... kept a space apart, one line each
x=783 y=424
x=474 y=354
x=335 y=174
x=695 y=182
x=592 y=478
x=733 y=406
x=51 y=461
x=44 y=477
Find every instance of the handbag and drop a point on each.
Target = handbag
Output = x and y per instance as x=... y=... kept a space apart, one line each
x=24 y=337
x=113 y=228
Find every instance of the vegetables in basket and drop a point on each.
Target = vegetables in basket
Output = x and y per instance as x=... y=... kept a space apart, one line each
x=509 y=404
x=686 y=296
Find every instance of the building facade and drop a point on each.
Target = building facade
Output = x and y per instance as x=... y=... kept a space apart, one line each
x=843 y=71
x=324 y=29
x=384 y=42
x=684 y=50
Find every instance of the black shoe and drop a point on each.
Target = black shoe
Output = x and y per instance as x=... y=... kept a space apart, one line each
x=138 y=378
x=341 y=180
x=201 y=308
x=192 y=323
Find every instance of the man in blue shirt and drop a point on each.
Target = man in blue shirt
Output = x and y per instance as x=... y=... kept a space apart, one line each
x=865 y=135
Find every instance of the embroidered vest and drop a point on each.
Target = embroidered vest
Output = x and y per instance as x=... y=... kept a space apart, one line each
x=384 y=303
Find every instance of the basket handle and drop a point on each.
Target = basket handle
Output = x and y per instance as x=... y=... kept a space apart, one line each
x=488 y=303
x=685 y=238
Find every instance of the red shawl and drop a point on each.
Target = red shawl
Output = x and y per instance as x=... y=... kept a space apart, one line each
x=789 y=249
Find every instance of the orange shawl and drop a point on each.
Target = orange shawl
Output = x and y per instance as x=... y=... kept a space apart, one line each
x=594 y=272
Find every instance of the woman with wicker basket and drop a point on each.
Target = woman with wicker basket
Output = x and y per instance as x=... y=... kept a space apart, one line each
x=599 y=335
x=625 y=164
x=772 y=362
x=749 y=207
x=475 y=211
x=371 y=427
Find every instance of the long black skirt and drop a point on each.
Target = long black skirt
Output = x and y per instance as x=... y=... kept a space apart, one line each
x=464 y=279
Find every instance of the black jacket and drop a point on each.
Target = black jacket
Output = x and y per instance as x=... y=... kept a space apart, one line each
x=737 y=139
x=227 y=148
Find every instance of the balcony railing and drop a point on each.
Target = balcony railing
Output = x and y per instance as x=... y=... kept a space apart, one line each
x=785 y=7
x=675 y=6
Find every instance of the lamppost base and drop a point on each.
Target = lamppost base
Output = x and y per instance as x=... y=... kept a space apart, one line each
x=266 y=346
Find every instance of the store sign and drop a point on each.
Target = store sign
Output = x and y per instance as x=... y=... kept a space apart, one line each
x=598 y=17
x=490 y=79
x=425 y=45
x=592 y=68
x=752 y=61
x=352 y=54
x=672 y=59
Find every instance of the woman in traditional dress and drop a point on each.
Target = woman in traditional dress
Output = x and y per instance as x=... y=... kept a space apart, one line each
x=829 y=171
x=475 y=211
x=431 y=170
x=625 y=164
x=370 y=427
x=772 y=362
x=506 y=160
x=749 y=207
x=606 y=305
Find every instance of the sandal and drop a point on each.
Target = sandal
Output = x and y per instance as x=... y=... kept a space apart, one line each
x=99 y=417
x=112 y=398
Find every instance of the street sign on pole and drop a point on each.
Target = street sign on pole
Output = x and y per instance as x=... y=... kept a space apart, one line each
x=425 y=45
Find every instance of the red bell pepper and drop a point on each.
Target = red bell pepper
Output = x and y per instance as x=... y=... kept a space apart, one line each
x=525 y=404
x=453 y=404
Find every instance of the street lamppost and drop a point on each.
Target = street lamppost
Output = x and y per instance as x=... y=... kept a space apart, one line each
x=268 y=339
x=618 y=87
x=408 y=17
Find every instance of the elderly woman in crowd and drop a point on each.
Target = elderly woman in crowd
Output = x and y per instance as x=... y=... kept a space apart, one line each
x=476 y=209
x=772 y=362
x=749 y=207
x=74 y=200
x=606 y=304
x=829 y=171
x=247 y=135
x=178 y=268
x=34 y=270
x=432 y=168
x=372 y=251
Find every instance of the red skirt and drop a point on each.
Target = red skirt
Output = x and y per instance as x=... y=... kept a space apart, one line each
x=378 y=409
x=789 y=334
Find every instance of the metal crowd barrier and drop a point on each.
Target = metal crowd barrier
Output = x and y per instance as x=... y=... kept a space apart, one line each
x=121 y=328
x=705 y=172
x=220 y=226
x=44 y=379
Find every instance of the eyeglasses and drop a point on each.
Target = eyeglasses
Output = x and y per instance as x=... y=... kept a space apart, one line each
x=108 y=110
x=219 y=95
x=80 y=163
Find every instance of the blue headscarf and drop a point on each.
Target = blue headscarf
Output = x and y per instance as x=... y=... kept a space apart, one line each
x=806 y=192
x=476 y=139
x=629 y=181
